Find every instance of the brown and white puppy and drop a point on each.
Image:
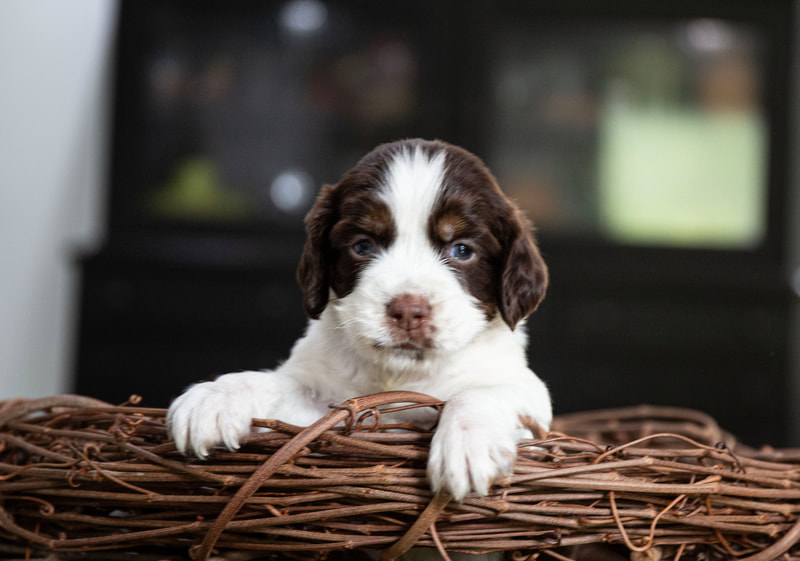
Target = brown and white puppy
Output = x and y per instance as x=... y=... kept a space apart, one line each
x=417 y=274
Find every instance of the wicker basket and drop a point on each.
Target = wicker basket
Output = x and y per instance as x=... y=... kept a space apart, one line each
x=80 y=479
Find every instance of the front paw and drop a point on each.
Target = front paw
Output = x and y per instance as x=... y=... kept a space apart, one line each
x=210 y=414
x=468 y=454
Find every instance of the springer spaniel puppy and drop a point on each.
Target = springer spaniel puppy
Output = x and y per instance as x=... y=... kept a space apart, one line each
x=417 y=274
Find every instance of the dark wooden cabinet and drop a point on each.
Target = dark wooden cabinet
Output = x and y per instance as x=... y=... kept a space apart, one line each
x=151 y=326
x=717 y=340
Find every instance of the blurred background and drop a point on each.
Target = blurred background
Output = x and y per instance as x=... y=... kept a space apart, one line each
x=157 y=158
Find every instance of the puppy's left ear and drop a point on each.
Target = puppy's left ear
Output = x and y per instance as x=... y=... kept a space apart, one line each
x=313 y=272
x=524 y=278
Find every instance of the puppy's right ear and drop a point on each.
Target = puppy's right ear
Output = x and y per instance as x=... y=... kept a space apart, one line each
x=313 y=272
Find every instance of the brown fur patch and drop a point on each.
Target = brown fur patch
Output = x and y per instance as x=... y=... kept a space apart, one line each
x=340 y=215
x=451 y=227
x=507 y=274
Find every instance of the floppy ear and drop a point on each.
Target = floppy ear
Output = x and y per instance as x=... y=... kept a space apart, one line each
x=524 y=278
x=313 y=272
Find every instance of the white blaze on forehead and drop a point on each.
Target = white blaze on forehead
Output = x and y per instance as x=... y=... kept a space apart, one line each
x=412 y=182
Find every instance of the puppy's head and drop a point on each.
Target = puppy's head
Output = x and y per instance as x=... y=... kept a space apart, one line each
x=417 y=251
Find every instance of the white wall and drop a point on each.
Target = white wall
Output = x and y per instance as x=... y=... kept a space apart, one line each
x=54 y=70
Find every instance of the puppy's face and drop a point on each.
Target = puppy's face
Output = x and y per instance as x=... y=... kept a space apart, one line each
x=417 y=251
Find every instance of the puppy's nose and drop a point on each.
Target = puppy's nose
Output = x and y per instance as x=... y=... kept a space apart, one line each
x=409 y=311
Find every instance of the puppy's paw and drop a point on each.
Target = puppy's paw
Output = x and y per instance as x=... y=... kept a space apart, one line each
x=468 y=453
x=211 y=414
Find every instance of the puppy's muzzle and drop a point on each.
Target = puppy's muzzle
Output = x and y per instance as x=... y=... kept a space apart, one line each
x=410 y=319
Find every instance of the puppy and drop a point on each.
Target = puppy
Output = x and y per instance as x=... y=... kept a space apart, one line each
x=417 y=274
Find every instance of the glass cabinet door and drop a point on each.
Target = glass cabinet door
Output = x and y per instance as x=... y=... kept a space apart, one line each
x=638 y=133
x=236 y=114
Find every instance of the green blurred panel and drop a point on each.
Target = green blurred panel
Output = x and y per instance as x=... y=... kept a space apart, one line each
x=682 y=177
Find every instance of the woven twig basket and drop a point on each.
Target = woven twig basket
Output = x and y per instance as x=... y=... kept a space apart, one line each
x=80 y=479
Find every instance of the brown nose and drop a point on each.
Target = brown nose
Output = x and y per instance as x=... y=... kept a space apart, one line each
x=409 y=311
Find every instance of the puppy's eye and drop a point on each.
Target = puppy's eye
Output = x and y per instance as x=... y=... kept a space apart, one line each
x=364 y=248
x=461 y=251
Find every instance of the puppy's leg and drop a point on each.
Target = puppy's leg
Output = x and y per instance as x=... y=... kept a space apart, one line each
x=219 y=412
x=476 y=440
